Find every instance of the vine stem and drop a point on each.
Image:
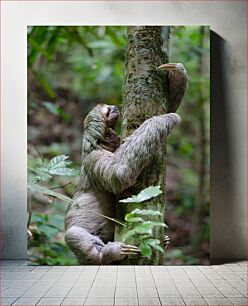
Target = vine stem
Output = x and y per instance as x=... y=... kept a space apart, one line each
x=60 y=187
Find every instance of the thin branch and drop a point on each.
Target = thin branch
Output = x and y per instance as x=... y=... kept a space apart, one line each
x=60 y=187
x=29 y=212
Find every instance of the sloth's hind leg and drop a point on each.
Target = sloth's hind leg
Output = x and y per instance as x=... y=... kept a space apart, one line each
x=90 y=247
x=83 y=244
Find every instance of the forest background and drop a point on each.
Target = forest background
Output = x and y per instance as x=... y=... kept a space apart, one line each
x=70 y=70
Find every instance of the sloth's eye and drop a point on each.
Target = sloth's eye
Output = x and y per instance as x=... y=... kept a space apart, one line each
x=108 y=112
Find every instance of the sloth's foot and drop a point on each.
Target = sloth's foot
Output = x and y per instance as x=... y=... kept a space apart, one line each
x=166 y=241
x=127 y=249
x=115 y=251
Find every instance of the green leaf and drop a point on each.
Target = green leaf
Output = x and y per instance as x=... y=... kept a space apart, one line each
x=134 y=219
x=56 y=110
x=38 y=34
x=157 y=223
x=64 y=172
x=129 y=234
x=146 y=212
x=38 y=47
x=145 y=250
x=45 y=85
x=57 y=221
x=143 y=237
x=37 y=218
x=144 y=228
x=48 y=229
x=42 y=174
x=52 y=108
x=58 y=162
x=144 y=195
x=44 y=190
x=128 y=216
x=58 y=166
x=158 y=247
x=154 y=243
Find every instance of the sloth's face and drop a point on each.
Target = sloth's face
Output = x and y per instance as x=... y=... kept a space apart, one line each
x=111 y=114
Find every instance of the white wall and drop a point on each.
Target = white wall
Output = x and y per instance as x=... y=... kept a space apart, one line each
x=229 y=97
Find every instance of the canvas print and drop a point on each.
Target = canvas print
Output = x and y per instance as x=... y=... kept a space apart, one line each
x=118 y=145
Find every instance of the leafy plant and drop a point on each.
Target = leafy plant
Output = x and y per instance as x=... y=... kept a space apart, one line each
x=44 y=246
x=56 y=166
x=139 y=229
x=144 y=195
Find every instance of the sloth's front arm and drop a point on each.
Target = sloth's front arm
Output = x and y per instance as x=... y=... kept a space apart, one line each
x=115 y=172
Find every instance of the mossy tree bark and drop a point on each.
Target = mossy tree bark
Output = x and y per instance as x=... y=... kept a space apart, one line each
x=143 y=97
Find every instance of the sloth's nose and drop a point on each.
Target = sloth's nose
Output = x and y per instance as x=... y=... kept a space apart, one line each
x=114 y=108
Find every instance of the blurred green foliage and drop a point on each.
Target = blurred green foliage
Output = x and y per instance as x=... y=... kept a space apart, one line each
x=46 y=241
x=43 y=247
x=186 y=147
x=70 y=69
x=88 y=61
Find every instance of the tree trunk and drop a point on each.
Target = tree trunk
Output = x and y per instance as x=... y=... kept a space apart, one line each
x=143 y=97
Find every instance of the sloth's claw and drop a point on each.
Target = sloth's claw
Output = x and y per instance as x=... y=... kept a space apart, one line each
x=129 y=253
x=166 y=238
x=166 y=241
x=130 y=246
x=127 y=246
x=127 y=249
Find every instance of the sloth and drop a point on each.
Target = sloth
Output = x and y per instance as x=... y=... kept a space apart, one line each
x=109 y=168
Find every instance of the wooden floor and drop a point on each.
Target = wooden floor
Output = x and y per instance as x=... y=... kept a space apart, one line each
x=123 y=285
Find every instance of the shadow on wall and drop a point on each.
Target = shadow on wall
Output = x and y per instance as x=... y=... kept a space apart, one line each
x=224 y=231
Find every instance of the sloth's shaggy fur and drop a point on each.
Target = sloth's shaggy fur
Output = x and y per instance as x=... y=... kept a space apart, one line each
x=108 y=168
